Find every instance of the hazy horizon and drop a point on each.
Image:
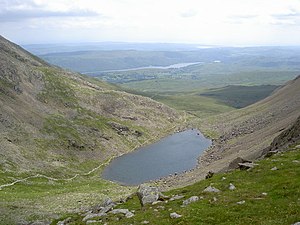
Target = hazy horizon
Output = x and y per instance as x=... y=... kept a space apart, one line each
x=237 y=23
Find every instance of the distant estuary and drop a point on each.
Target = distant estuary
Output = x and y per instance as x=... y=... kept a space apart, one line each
x=173 y=154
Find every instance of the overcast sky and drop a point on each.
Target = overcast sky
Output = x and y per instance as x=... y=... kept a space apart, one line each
x=212 y=22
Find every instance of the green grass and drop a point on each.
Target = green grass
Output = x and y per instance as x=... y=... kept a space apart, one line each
x=279 y=206
x=57 y=89
x=240 y=96
x=42 y=199
x=196 y=105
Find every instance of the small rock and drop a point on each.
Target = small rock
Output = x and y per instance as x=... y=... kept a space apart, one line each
x=211 y=189
x=190 y=200
x=215 y=199
x=241 y=202
x=162 y=197
x=92 y=221
x=129 y=215
x=155 y=210
x=160 y=207
x=174 y=215
x=65 y=221
x=296 y=161
x=231 y=187
x=209 y=175
x=156 y=202
x=92 y=215
x=176 y=197
x=145 y=222
x=121 y=211
x=235 y=163
x=274 y=168
x=264 y=193
x=297 y=223
x=223 y=178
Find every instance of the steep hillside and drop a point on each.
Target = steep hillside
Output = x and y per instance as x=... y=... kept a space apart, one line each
x=245 y=132
x=52 y=120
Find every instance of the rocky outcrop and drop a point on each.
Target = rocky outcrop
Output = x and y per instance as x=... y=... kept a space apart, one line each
x=288 y=137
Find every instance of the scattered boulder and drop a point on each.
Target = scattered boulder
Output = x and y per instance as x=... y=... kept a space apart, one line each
x=119 y=211
x=125 y=212
x=270 y=153
x=274 y=168
x=162 y=197
x=156 y=202
x=119 y=128
x=92 y=221
x=241 y=202
x=65 y=221
x=145 y=222
x=176 y=197
x=298 y=223
x=247 y=165
x=235 y=163
x=93 y=215
x=174 y=215
x=211 y=189
x=190 y=200
x=231 y=187
x=147 y=194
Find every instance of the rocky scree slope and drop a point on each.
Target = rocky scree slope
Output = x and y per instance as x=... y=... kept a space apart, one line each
x=55 y=121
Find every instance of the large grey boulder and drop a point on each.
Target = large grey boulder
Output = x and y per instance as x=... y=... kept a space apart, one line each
x=147 y=194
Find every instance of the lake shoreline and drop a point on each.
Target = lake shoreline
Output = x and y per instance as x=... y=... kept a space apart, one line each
x=170 y=154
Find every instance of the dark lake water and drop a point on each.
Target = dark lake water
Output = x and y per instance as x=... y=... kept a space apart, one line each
x=175 y=153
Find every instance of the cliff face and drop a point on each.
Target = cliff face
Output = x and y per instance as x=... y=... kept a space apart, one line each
x=55 y=120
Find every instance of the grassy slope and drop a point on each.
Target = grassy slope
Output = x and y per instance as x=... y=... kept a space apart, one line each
x=279 y=206
x=240 y=96
x=58 y=124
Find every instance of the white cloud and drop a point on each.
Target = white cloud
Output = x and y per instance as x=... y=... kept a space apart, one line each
x=238 y=22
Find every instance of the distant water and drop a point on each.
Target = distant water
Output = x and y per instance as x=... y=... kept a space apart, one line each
x=175 y=153
x=173 y=66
